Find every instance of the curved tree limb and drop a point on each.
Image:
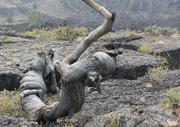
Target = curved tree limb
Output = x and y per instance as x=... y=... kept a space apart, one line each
x=94 y=35
x=106 y=27
x=72 y=94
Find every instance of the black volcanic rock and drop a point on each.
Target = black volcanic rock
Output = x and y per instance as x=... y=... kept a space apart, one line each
x=132 y=64
x=125 y=97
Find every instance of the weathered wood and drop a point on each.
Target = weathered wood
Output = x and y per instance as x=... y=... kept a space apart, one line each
x=33 y=87
x=73 y=76
x=67 y=63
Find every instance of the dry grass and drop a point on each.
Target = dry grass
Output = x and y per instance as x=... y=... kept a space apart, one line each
x=172 y=123
x=143 y=100
x=148 y=85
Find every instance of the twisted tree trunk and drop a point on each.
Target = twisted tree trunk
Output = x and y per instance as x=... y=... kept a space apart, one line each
x=73 y=75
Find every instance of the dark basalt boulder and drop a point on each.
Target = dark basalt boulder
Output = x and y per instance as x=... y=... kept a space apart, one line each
x=131 y=64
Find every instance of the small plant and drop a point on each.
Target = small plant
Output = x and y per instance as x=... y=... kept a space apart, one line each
x=163 y=58
x=11 y=59
x=9 y=103
x=114 y=122
x=132 y=34
x=154 y=38
x=6 y=38
x=158 y=31
x=108 y=37
x=172 y=99
x=3 y=43
x=9 y=40
x=44 y=35
x=69 y=124
x=157 y=73
x=31 y=33
x=50 y=99
x=40 y=34
x=67 y=33
x=145 y=48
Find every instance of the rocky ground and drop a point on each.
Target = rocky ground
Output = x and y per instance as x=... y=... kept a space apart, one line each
x=129 y=97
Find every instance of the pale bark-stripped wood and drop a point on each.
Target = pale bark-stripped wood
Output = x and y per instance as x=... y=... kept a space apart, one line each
x=73 y=73
x=67 y=63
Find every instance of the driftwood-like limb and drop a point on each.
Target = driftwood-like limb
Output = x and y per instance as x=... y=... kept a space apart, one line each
x=73 y=72
x=73 y=76
x=94 y=35
x=67 y=63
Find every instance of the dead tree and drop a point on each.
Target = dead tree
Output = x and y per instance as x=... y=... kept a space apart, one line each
x=74 y=76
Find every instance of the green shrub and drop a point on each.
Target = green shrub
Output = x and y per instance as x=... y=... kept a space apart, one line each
x=172 y=99
x=115 y=122
x=158 y=31
x=162 y=57
x=133 y=34
x=9 y=18
x=67 y=33
x=31 y=33
x=40 y=34
x=154 y=38
x=6 y=38
x=145 y=48
x=10 y=103
x=108 y=37
x=43 y=35
x=9 y=40
x=157 y=73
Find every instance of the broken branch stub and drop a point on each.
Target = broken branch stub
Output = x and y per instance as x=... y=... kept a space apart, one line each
x=74 y=76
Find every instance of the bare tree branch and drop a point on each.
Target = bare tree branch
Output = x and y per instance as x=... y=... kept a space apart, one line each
x=106 y=27
x=94 y=35
x=73 y=73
